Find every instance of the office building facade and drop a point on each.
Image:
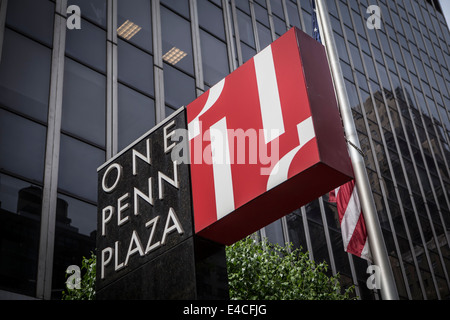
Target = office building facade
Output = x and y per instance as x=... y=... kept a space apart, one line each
x=71 y=98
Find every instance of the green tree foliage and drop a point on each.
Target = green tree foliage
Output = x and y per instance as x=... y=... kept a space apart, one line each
x=87 y=284
x=264 y=271
x=256 y=271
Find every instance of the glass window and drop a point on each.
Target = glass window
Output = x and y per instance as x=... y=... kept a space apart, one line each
x=136 y=115
x=369 y=66
x=176 y=40
x=308 y=22
x=180 y=6
x=280 y=25
x=261 y=14
x=247 y=52
x=345 y=14
x=179 y=88
x=94 y=10
x=277 y=8
x=20 y=215
x=88 y=45
x=169 y=111
x=274 y=233
x=245 y=28
x=22 y=146
x=356 y=58
x=134 y=23
x=342 y=50
x=78 y=163
x=32 y=17
x=352 y=95
x=135 y=67
x=84 y=102
x=75 y=233
x=332 y=7
x=350 y=35
x=265 y=37
x=339 y=254
x=25 y=75
x=214 y=57
x=261 y=2
x=217 y=2
x=296 y=230
x=243 y=5
x=318 y=241
x=306 y=5
x=210 y=18
x=384 y=78
x=292 y=10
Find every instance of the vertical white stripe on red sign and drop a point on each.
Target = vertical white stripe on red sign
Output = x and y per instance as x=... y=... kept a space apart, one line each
x=269 y=98
x=213 y=95
x=223 y=182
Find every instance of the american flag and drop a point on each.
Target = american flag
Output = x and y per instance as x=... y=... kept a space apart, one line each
x=351 y=219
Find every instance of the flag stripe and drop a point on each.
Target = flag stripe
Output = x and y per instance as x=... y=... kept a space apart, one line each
x=354 y=233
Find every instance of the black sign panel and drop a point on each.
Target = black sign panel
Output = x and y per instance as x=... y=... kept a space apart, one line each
x=144 y=203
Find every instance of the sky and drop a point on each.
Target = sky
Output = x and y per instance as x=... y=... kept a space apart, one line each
x=445 y=4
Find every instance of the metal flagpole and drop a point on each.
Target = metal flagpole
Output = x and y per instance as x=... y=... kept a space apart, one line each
x=377 y=246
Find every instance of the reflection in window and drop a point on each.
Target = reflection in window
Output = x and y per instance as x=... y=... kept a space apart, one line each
x=180 y=6
x=245 y=28
x=274 y=233
x=84 y=101
x=20 y=215
x=78 y=163
x=308 y=22
x=319 y=244
x=210 y=18
x=277 y=8
x=340 y=44
x=25 y=75
x=169 y=111
x=136 y=115
x=264 y=35
x=135 y=67
x=22 y=140
x=292 y=10
x=75 y=233
x=280 y=26
x=261 y=14
x=214 y=58
x=179 y=88
x=247 y=52
x=176 y=36
x=243 y=5
x=87 y=45
x=296 y=230
x=32 y=17
x=134 y=23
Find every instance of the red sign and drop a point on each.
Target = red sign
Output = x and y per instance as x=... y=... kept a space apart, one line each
x=265 y=140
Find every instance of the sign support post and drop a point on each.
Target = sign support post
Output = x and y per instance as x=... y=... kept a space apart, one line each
x=377 y=245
